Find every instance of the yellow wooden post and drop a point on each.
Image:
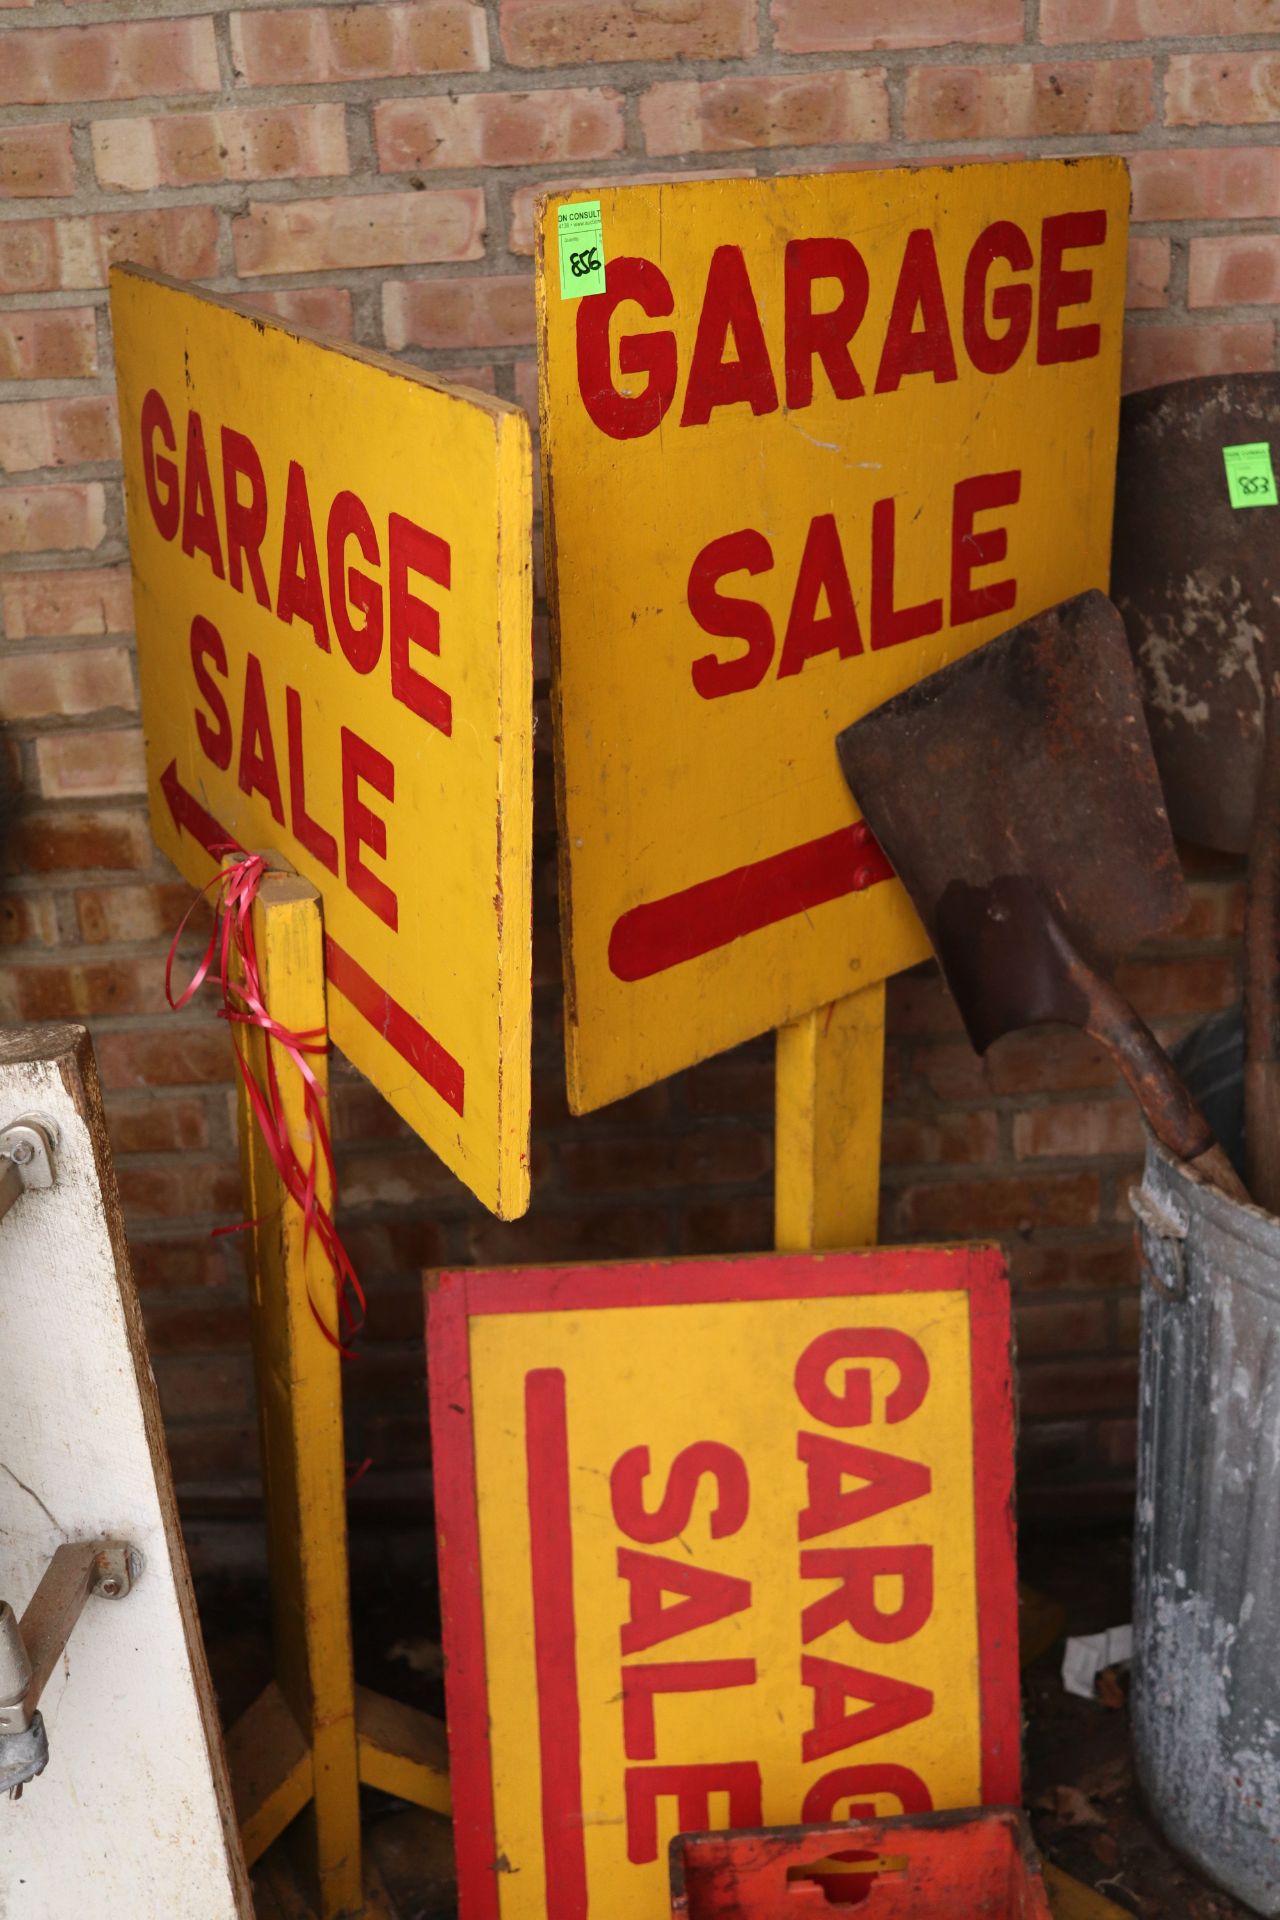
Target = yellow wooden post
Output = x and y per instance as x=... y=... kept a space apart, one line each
x=312 y=1736
x=829 y=1092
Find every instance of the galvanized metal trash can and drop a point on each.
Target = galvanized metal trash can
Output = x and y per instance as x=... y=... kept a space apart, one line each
x=1206 y=1680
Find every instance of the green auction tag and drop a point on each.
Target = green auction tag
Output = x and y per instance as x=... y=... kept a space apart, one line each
x=581 y=236
x=1251 y=480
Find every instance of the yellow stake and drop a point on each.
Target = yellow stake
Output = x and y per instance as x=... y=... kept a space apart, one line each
x=307 y=1738
x=829 y=1092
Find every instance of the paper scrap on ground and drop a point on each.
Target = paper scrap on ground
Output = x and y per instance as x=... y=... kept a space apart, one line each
x=1086 y=1656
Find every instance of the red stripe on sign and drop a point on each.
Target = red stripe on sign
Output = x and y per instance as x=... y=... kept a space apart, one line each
x=664 y=933
x=411 y=1041
x=555 y=1643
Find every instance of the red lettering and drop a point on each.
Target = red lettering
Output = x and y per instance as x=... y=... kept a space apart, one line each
x=853 y=1602
x=161 y=475
x=727 y=617
x=257 y=772
x=825 y=335
x=891 y=625
x=675 y=1510
x=892 y=1704
x=728 y=307
x=641 y=1683
x=863 y=1788
x=692 y=1788
x=348 y=587
x=981 y=493
x=627 y=416
x=822 y=576
x=361 y=827
x=413 y=621
x=708 y=1596
x=300 y=593
x=315 y=838
x=997 y=352
x=199 y=521
x=215 y=740
x=1061 y=286
x=908 y=349
x=852 y=1406
x=888 y=1482
x=246 y=519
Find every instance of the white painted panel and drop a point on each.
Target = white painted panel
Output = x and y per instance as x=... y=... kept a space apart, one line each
x=133 y=1810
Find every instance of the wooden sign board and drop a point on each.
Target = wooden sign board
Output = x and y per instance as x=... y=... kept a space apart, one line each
x=723 y=1544
x=332 y=587
x=133 y=1814
x=816 y=438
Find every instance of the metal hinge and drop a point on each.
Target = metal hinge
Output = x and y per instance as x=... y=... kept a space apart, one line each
x=27 y=1148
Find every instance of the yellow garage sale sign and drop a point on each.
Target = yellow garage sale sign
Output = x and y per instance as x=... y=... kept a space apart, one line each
x=815 y=438
x=723 y=1543
x=331 y=576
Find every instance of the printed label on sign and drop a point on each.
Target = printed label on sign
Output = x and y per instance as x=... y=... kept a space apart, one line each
x=840 y=431
x=723 y=1543
x=1251 y=480
x=332 y=592
x=580 y=234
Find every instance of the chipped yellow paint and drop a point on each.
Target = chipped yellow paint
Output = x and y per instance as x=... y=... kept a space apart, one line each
x=332 y=585
x=738 y=558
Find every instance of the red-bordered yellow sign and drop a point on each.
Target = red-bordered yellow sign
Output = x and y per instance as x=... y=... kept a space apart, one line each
x=331 y=576
x=815 y=438
x=723 y=1543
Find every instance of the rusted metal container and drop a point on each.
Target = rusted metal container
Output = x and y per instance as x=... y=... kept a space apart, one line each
x=928 y=1867
x=1206 y=1688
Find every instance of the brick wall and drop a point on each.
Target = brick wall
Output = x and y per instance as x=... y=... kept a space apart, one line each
x=370 y=171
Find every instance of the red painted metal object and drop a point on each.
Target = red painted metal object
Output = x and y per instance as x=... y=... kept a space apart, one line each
x=919 y=1867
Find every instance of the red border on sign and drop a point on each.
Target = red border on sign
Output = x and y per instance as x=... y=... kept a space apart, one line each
x=454 y=1298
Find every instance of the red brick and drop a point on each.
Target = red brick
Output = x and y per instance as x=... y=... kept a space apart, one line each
x=765 y=110
x=628 y=1232
x=203 y=1454
x=42 y=343
x=121 y=60
x=181 y=1265
x=308 y=46
x=405 y=1178
x=710 y=1157
x=73 y=681
x=1088 y=1263
x=1151 y=19
x=834 y=26
x=1222 y=89
x=178 y=1053
x=1119 y=1442
x=326 y=309
x=394 y=1246
x=1149 y=264
x=194 y=1389
x=73 y=992
x=197 y=149
x=1168 y=351
x=51 y=605
x=134 y=913
x=555 y=33
x=730 y=1084
x=498 y=129
x=745 y=1224
x=53 y=842
x=27 y=919
x=1206 y=183
x=91 y=765
x=944 y=1139
x=34 y=519
x=1083 y=1130
x=1049 y=1060
x=57 y=433
x=1197 y=984
x=36 y=161
x=920 y=1002
x=1062 y=1326
x=1026 y=102
x=29 y=256
x=1098 y=1384
x=493 y=312
x=152 y=1123
x=37 y=255
x=358 y=1112
x=362 y=230
x=212 y=1327
x=978 y=1208
x=1234 y=270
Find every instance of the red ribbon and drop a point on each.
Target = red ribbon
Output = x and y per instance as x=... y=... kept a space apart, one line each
x=234 y=890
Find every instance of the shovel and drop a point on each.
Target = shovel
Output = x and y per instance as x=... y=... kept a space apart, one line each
x=1197 y=580
x=1015 y=794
